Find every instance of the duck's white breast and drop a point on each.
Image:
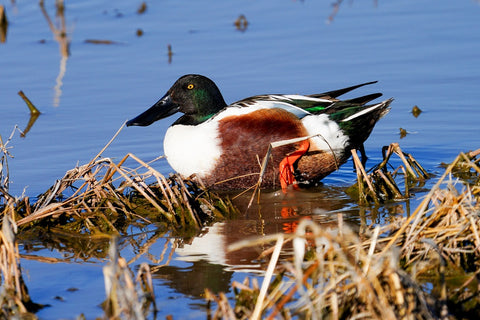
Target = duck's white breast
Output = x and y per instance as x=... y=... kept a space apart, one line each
x=193 y=149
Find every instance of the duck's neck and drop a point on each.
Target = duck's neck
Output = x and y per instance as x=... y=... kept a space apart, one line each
x=193 y=120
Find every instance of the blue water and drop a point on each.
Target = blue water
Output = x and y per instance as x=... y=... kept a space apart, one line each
x=422 y=53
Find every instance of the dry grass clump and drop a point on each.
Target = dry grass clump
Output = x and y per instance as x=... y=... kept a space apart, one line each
x=381 y=185
x=448 y=217
x=92 y=202
x=440 y=241
x=333 y=275
x=102 y=198
x=337 y=274
x=106 y=197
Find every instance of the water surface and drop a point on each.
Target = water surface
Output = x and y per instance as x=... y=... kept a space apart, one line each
x=422 y=53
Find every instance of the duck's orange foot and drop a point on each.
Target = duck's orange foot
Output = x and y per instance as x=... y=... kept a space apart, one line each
x=286 y=165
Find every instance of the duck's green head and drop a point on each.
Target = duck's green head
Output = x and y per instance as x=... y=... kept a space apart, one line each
x=194 y=95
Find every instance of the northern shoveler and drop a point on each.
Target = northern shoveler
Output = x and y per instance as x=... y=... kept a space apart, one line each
x=224 y=144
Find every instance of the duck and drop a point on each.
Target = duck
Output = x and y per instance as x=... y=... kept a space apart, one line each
x=224 y=145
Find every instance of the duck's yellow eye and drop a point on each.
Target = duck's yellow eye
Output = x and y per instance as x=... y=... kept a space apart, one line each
x=190 y=86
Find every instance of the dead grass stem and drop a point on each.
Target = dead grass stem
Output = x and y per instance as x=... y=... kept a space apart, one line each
x=128 y=296
x=14 y=298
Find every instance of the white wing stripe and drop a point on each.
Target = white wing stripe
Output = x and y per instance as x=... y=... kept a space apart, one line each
x=299 y=97
x=364 y=111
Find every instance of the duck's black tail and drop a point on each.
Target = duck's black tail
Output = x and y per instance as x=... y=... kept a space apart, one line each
x=357 y=121
x=332 y=95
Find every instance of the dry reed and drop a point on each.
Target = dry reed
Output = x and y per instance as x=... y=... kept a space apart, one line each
x=127 y=297
x=381 y=185
x=15 y=301
x=4 y=172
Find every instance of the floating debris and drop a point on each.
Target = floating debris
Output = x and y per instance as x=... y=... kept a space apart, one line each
x=241 y=23
x=142 y=8
x=416 y=111
x=100 y=41
x=3 y=24
x=139 y=32
x=169 y=53
x=34 y=113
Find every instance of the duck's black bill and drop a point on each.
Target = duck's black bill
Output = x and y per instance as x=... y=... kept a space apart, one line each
x=162 y=109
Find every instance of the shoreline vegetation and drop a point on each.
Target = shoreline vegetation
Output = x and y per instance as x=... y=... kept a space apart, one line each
x=381 y=272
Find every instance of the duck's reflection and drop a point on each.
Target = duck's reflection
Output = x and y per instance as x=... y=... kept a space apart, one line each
x=192 y=280
x=211 y=265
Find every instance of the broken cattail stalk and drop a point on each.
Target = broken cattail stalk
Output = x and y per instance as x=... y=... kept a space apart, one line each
x=362 y=178
x=31 y=107
x=381 y=183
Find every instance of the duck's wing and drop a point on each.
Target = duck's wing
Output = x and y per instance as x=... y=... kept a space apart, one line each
x=299 y=105
x=302 y=105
